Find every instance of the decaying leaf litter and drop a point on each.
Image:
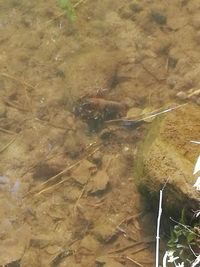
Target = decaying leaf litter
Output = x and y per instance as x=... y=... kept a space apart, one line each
x=67 y=191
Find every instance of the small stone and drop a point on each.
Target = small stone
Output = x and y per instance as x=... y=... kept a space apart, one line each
x=40 y=241
x=173 y=80
x=104 y=231
x=72 y=145
x=83 y=172
x=98 y=183
x=30 y=258
x=89 y=243
x=97 y=158
x=134 y=113
x=158 y=17
x=136 y=7
x=182 y=95
x=54 y=249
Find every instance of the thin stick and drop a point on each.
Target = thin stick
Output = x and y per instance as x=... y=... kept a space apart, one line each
x=79 y=197
x=195 y=142
x=158 y=225
x=130 y=218
x=146 y=240
x=59 y=174
x=50 y=187
x=196 y=92
x=7 y=131
x=56 y=176
x=134 y=261
x=17 y=80
x=158 y=230
x=13 y=105
x=7 y=145
x=148 y=116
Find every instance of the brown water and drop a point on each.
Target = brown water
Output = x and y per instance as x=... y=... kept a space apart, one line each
x=60 y=81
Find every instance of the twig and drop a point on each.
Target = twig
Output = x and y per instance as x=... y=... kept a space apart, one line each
x=158 y=225
x=17 y=80
x=79 y=197
x=151 y=115
x=8 y=144
x=134 y=261
x=13 y=105
x=146 y=240
x=194 y=93
x=7 y=131
x=195 y=142
x=42 y=190
x=130 y=218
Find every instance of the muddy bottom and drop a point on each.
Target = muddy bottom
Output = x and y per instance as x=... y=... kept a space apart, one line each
x=67 y=87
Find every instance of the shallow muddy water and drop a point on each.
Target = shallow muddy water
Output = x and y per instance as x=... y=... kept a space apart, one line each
x=67 y=85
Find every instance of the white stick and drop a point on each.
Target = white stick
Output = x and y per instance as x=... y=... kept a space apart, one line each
x=158 y=229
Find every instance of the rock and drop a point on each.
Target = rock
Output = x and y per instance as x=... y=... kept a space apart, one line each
x=182 y=95
x=83 y=172
x=54 y=249
x=158 y=17
x=89 y=243
x=73 y=145
x=135 y=6
x=104 y=231
x=98 y=183
x=97 y=158
x=12 y=248
x=116 y=166
x=133 y=113
x=168 y=154
x=40 y=241
x=30 y=259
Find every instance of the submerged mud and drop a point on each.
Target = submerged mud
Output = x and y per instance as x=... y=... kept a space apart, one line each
x=67 y=191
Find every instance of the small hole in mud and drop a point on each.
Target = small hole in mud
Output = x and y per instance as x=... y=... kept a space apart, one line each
x=44 y=172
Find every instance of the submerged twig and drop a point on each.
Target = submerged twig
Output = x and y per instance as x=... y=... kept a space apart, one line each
x=142 y=118
x=144 y=241
x=7 y=145
x=134 y=261
x=7 y=131
x=13 y=105
x=17 y=80
x=42 y=188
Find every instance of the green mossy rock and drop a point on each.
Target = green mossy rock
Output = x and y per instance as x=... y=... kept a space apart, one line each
x=167 y=153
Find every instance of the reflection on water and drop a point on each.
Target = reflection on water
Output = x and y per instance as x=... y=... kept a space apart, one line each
x=68 y=88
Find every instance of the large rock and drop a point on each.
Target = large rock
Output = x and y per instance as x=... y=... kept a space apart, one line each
x=167 y=153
